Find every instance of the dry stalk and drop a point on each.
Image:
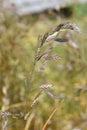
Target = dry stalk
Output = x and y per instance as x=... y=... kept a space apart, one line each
x=29 y=120
x=46 y=123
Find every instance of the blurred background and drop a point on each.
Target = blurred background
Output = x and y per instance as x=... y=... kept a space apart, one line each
x=21 y=22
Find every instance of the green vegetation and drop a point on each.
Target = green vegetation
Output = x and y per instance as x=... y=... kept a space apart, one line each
x=31 y=107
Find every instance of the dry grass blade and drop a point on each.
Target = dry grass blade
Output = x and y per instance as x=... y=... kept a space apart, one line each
x=28 y=123
x=45 y=125
x=16 y=105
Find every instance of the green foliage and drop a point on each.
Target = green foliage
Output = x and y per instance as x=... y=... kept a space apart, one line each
x=81 y=10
